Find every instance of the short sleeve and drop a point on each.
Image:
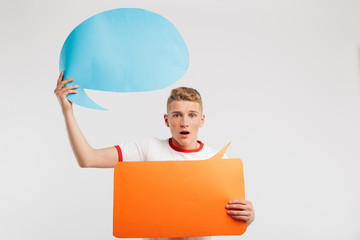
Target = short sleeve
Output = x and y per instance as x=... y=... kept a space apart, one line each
x=135 y=150
x=118 y=149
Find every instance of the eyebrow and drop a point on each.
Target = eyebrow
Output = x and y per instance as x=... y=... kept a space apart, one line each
x=175 y=112
x=191 y=111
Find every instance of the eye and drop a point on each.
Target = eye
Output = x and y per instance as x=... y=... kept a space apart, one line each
x=192 y=115
x=176 y=115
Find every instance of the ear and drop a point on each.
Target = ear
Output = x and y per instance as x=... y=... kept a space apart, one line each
x=166 y=119
x=202 y=120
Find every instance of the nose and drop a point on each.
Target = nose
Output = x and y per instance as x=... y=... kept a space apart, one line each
x=184 y=122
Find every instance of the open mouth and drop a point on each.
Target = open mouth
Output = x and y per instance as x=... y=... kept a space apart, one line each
x=184 y=132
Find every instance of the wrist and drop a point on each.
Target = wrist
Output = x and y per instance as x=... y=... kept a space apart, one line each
x=67 y=111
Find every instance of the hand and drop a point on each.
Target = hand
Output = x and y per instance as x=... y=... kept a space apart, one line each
x=241 y=210
x=61 y=92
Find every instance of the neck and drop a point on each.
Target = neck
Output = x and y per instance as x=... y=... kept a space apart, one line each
x=190 y=146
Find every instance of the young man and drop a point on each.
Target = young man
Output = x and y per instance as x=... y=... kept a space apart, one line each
x=184 y=118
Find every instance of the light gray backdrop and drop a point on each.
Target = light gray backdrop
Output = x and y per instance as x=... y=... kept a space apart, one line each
x=280 y=79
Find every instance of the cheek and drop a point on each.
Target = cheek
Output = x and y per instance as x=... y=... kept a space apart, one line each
x=201 y=123
x=173 y=123
x=198 y=123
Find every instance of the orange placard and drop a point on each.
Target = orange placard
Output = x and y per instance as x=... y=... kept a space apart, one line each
x=177 y=198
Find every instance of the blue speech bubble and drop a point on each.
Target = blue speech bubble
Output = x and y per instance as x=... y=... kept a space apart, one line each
x=123 y=50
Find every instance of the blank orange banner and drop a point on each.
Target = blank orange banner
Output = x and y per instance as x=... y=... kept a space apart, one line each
x=177 y=198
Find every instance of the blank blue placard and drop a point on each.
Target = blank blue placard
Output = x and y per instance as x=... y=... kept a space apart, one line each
x=123 y=50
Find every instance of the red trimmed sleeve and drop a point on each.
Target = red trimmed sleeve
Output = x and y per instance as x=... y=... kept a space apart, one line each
x=119 y=152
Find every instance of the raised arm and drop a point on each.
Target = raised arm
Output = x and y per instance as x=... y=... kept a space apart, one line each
x=86 y=156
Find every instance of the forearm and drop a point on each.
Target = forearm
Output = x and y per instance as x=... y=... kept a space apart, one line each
x=84 y=153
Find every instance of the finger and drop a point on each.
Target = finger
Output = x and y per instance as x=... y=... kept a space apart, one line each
x=60 y=77
x=67 y=92
x=60 y=85
x=238 y=213
x=239 y=202
x=70 y=87
x=237 y=206
x=72 y=91
x=242 y=218
x=64 y=82
x=64 y=91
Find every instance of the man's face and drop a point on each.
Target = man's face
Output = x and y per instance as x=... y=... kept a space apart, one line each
x=184 y=118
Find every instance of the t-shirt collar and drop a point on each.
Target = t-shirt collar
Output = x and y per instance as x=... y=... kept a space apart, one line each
x=186 y=150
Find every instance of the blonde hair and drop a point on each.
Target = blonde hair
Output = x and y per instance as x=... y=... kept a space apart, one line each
x=184 y=94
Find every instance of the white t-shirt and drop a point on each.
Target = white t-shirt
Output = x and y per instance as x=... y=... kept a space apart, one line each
x=154 y=149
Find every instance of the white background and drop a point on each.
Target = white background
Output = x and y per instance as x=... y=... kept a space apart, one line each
x=280 y=79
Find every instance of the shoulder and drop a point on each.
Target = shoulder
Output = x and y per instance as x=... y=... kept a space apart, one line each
x=145 y=143
x=144 y=149
x=207 y=149
x=211 y=151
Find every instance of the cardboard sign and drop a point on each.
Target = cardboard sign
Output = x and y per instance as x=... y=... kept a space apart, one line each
x=177 y=198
